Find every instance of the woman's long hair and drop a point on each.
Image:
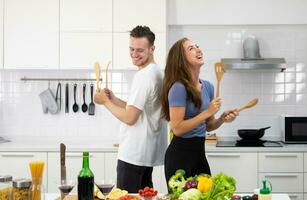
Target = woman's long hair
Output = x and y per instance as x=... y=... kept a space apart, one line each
x=176 y=69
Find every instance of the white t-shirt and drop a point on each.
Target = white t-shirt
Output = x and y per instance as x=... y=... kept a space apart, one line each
x=145 y=142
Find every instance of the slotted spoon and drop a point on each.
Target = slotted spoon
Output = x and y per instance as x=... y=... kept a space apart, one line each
x=219 y=72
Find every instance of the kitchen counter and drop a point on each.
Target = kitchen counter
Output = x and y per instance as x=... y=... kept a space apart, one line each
x=98 y=145
x=274 y=196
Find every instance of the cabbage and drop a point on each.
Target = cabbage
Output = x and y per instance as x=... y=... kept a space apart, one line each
x=191 y=194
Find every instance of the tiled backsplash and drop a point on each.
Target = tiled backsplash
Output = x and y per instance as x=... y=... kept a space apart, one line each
x=285 y=93
x=279 y=93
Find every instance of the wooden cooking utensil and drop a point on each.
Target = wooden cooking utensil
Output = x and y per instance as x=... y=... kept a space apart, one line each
x=97 y=72
x=107 y=69
x=248 y=105
x=219 y=72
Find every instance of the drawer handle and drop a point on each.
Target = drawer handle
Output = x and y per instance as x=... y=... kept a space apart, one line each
x=17 y=155
x=76 y=156
x=280 y=156
x=280 y=175
x=293 y=195
x=223 y=155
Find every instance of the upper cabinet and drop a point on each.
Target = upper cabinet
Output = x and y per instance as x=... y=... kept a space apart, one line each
x=86 y=15
x=225 y=12
x=128 y=14
x=1 y=34
x=31 y=34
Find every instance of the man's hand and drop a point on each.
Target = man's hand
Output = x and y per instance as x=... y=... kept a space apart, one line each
x=109 y=94
x=101 y=97
x=229 y=115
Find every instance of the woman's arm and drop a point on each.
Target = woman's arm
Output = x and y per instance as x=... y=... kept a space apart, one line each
x=227 y=116
x=180 y=126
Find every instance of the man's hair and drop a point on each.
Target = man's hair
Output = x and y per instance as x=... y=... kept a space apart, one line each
x=143 y=31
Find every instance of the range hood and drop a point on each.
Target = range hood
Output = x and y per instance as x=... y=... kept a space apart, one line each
x=252 y=59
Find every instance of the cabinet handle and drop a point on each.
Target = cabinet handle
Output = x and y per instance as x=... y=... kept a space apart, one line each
x=280 y=155
x=293 y=195
x=280 y=175
x=224 y=155
x=17 y=155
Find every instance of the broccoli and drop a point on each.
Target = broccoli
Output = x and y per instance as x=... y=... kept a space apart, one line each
x=176 y=183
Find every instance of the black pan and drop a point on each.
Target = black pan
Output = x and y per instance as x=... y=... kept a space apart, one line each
x=252 y=134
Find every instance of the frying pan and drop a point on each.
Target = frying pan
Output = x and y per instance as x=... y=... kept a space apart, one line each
x=252 y=134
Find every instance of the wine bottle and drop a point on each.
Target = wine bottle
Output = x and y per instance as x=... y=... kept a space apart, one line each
x=86 y=180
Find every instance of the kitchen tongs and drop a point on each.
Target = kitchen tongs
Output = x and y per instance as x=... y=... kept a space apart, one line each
x=219 y=72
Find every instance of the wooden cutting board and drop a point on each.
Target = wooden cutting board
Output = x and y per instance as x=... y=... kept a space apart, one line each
x=73 y=197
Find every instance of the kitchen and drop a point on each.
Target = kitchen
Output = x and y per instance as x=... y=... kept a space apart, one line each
x=63 y=39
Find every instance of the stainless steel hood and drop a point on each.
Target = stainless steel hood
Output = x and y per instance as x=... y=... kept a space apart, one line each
x=252 y=59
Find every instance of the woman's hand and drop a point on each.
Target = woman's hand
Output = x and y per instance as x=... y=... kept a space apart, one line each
x=229 y=115
x=214 y=106
x=101 y=97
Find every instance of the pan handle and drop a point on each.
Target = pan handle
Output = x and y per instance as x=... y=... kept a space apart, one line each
x=262 y=129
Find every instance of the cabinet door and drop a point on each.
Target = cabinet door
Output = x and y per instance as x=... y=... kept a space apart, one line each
x=122 y=58
x=73 y=167
x=158 y=178
x=1 y=34
x=86 y=15
x=82 y=50
x=31 y=29
x=280 y=162
x=305 y=162
x=128 y=14
x=242 y=166
x=284 y=182
x=110 y=167
x=17 y=164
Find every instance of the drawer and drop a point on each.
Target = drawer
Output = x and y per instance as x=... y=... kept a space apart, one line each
x=280 y=162
x=283 y=182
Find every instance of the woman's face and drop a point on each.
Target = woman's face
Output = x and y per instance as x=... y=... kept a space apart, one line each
x=193 y=53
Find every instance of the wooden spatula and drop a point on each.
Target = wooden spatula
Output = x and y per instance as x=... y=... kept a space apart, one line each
x=107 y=69
x=97 y=72
x=219 y=72
x=248 y=105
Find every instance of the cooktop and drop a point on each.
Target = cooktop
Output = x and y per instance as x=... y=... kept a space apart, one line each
x=249 y=143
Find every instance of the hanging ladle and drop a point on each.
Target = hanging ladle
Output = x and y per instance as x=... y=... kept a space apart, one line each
x=75 y=107
x=84 y=106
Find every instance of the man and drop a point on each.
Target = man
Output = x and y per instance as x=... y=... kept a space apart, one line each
x=143 y=134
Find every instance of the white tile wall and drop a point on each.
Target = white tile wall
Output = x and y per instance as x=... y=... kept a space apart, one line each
x=21 y=112
x=279 y=93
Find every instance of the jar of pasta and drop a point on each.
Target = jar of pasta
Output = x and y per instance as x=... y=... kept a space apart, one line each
x=21 y=189
x=5 y=187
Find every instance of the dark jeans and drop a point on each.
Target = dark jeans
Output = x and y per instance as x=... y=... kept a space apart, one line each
x=133 y=177
x=187 y=154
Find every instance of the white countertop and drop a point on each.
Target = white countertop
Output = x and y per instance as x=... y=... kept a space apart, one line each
x=274 y=196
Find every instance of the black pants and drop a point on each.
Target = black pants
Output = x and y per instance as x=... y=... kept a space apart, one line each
x=187 y=154
x=133 y=177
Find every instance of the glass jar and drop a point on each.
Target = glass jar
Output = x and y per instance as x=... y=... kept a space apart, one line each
x=37 y=189
x=21 y=189
x=5 y=187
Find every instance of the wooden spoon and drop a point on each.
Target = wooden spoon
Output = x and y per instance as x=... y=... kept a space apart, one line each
x=248 y=105
x=219 y=72
x=97 y=72
x=107 y=69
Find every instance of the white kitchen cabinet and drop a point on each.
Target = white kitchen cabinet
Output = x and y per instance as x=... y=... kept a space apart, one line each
x=242 y=166
x=82 y=50
x=73 y=167
x=128 y=14
x=1 y=34
x=305 y=162
x=17 y=164
x=31 y=30
x=158 y=178
x=211 y=12
x=86 y=15
x=121 y=53
x=305 y=181
x=110 y=166
x=280 y=162
x=284 y=182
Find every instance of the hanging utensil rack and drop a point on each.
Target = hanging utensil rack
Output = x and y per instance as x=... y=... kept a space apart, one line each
x=58 y=79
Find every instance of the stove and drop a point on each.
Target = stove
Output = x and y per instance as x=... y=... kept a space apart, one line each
x=249 y=143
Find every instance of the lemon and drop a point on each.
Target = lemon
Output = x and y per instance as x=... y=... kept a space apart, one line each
x=117 y=193
x=204 y=184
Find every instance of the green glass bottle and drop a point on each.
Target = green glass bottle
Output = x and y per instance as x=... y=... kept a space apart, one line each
x=86 y=180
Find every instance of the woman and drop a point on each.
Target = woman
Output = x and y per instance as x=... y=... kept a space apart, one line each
x=189 y=104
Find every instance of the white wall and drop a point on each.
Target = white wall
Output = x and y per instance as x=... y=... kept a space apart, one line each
x=279 y=93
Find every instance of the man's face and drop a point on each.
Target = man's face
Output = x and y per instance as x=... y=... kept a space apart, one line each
x=141 y=52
